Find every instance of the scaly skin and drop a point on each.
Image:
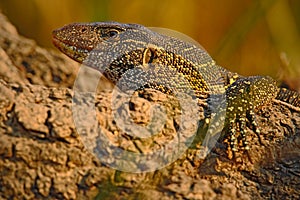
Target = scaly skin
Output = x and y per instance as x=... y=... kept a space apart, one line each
x=114 y=48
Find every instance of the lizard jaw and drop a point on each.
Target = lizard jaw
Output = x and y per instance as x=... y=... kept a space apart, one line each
x=71 y=51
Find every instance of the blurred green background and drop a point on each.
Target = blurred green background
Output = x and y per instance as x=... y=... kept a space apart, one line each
x=246 y=36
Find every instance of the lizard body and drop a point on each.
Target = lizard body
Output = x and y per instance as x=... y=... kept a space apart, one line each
x=114 y=48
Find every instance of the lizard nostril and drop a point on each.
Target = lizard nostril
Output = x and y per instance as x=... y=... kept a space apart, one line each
x=83 y=30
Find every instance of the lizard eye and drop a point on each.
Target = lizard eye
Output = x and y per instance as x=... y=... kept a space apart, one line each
x=113 y=33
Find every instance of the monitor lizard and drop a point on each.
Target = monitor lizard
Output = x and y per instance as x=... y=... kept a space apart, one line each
x=114 y=48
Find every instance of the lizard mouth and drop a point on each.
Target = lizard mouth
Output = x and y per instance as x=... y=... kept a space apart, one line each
x=76 y=53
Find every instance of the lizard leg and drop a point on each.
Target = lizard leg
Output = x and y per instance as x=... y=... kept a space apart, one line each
x=243 y=97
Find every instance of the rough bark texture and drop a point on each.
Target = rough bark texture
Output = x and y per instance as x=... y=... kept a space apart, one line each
x=43 y=157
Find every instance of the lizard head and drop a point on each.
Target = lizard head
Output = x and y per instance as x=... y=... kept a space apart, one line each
x=76 y=40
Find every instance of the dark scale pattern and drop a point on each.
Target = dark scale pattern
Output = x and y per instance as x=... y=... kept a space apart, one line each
x=132 y=55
